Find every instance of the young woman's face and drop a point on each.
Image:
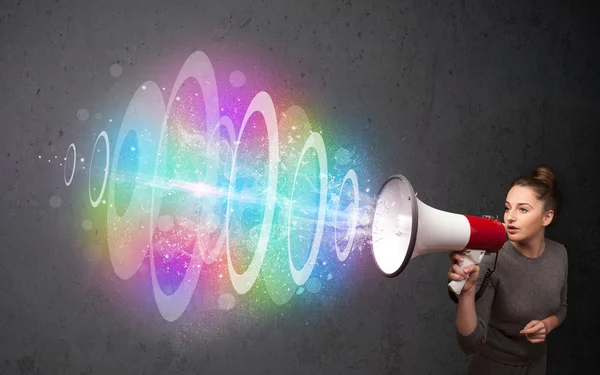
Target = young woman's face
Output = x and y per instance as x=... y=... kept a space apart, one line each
x=524 y=214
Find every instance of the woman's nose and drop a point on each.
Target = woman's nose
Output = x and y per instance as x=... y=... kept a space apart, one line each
x=510 y=216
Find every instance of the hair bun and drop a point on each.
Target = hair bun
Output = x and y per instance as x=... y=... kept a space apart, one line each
x=545 y=174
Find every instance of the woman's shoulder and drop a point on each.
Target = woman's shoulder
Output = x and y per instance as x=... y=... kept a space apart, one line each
x=557 y=248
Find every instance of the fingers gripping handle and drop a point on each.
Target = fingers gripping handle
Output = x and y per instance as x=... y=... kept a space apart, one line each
x=469 y=257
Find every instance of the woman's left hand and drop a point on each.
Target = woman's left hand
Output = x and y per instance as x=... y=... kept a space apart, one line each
x=535 y=331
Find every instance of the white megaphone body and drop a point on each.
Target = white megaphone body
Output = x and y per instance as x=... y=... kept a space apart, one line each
x=404 y=228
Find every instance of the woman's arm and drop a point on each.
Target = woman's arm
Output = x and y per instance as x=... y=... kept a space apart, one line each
x=534 y=332
x=550 y=322
x=472 y=316
x=559 y=316
x=466 y=314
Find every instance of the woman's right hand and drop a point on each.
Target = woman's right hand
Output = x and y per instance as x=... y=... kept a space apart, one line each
x=469 y=272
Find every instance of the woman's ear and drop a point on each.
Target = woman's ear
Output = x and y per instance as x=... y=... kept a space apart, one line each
x=547 y=218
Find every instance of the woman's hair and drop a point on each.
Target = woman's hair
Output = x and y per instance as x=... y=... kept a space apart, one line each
x=543 y=182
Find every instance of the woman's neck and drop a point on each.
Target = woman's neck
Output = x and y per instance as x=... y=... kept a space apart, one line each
x=532 y=247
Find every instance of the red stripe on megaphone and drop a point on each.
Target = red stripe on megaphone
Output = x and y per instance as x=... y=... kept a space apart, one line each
x=486 y=234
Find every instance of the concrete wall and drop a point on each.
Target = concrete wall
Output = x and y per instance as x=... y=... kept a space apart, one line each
x=460 y=97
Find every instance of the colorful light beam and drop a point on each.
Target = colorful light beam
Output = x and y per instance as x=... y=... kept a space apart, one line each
x=187 y=189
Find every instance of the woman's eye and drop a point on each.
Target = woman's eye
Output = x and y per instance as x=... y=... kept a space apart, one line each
x=523 y=210
x=506 y=208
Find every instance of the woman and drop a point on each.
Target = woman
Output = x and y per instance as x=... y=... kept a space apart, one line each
x=505 y=329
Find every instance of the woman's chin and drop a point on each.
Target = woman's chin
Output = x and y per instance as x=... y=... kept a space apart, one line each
x=519 y=237
x=514 y=237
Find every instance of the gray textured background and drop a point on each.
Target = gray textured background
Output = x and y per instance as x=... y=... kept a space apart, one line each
x=460 y=97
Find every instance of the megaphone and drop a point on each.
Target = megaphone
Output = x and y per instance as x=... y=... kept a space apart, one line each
x=404 y=228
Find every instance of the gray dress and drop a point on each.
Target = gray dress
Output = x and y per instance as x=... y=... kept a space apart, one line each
x=520 y=290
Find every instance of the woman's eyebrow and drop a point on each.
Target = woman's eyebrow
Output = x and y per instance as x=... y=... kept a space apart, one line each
x=521 y=204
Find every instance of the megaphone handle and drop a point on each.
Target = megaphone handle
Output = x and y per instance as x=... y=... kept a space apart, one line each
x=469 y=257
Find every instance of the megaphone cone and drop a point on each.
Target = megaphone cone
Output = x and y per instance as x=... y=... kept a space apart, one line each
x=404 y=228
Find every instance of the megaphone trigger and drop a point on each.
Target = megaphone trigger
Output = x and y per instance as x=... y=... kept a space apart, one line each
x=470 y=257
